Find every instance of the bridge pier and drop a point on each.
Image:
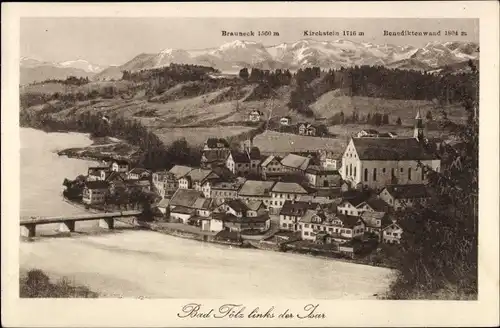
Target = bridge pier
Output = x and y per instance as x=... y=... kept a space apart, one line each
x=28 y=230
x=108 y=223
x=67 y=226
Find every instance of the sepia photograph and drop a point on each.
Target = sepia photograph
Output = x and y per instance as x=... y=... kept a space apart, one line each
x=223 y=158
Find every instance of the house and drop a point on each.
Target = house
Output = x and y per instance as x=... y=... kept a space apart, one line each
x=165 y=183
x=330 y=159
x=256 y=190
x=321 y=178
x=212 y=224
x=401 y=196
x=282 y=191
x=164 y=206
x=293 y=163
x=214 y=157
x=307 y=129
x=95 y=192
x=192 y=200
x=375 y=222
x=222 y=191
x=180 y=171
x=285 y=121
x=138 y=174
x=292 y=211
x=340 y=227
x=241 y=208
x=392 y=233
x=232 y=223
x=239 y=162
x=352 y=203
x=199 y=179
x=255 y=116
x=215 y=143
x=370 y=133
x=120 y=166
x=94 y=173
x=139 y=185
x=181 y=214
x=387 y=135
x=270 y=164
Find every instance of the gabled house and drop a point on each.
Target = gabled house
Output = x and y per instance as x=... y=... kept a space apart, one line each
x=352 y=203
x=285 y=121
x=321 y=178
x=295 y=163
x=341 y=228
x=271 y=164
x=331 y=159
x=375 y=222
x=282 y=191
x=232 y=223
x=307 y=129
x=165 y=183
x=139 y=174
x=180 y=171
x=95 y=173
x=214 y=157
x=120 y=165
x=187 y=203
x=292 y=211
x=95 y=192
x=216 y=143
x=255 y=116
x=256 y=190
x=199 y=179
x=222 y=191
x=392 y=233
x=401 y=196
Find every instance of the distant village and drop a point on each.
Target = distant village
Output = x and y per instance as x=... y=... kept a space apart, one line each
x=335 y=199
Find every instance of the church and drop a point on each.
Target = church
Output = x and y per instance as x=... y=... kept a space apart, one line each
x=374 y=162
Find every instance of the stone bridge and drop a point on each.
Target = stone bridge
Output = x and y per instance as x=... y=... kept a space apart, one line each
x=68 y=223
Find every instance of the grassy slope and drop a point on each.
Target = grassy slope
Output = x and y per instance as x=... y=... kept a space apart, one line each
x=331 y=102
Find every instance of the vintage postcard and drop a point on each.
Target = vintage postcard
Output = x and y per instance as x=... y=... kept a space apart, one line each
x=258 y=164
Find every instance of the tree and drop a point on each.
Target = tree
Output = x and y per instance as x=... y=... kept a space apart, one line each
x=244 y=73
x=440 y=238
x=398 y=121
x=342 y=118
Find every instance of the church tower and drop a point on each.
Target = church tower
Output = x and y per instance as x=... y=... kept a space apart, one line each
x=418 y=131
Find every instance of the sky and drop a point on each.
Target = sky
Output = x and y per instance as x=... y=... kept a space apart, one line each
x=114 y=41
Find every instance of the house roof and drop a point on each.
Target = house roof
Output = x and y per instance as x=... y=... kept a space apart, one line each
x=139 y=170
x=355 y=198
x=371 y=131
x=165 y=202
x=120 y=162
x=297 y=208
x=200 y=175
x=396 y=149
x=202 y=203
x=256 y=188
x=185 y=197
x=254 y=205
x=182 y=210
x=370 y=218
x=138 y=183
x=97 y=184
x=255 y=153
x=296 y=161
x=377 y=204
x=237 y=204
x=180 y=170
x=95 y=173
x=289 y=187
x=268 y=160
x=407 y=191
x=226 y=185
x=113 y=176
x=239 y=157
x=228 y=217
x=348 y=221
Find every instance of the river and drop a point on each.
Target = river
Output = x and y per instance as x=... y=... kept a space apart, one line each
x=150 y=264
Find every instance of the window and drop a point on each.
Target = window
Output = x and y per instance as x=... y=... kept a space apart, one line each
x=401 y=170
x=306 y=233
x=306 y=225
x=395 y=234
x=374 y=174
x=409 y=173
x=355 y=171
x=423 y=174
x=383 y=170
x=366 y=174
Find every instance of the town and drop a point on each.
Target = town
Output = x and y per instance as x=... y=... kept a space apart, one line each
x=336 y=200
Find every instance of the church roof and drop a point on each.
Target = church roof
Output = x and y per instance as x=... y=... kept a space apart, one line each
x=394 y=149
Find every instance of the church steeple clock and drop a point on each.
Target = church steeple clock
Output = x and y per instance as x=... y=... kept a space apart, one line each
x=418 y=131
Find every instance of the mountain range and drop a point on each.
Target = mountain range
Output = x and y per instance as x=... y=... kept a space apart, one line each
x=232 y=56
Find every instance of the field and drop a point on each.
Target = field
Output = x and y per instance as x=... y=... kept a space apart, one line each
x=197 y=136
x=330 y=103
x=52 y=87
x=276 y=142
x=345 y=131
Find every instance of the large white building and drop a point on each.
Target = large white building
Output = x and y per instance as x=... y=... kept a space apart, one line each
x=377 y=162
